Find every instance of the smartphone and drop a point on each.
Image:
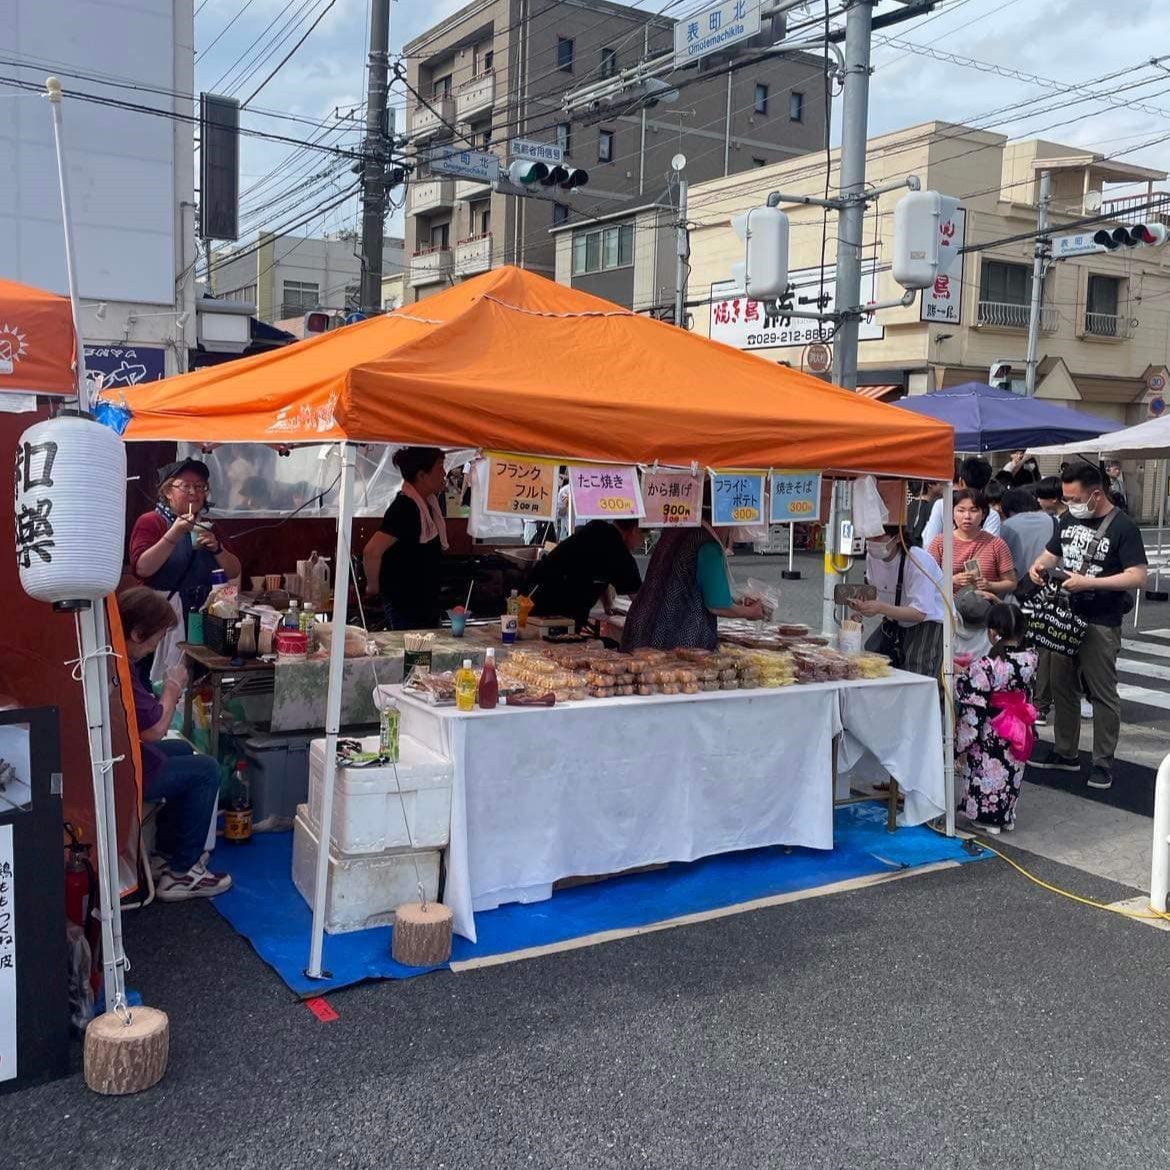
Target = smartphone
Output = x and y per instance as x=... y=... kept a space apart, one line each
x=842 y=594
x=973 y=567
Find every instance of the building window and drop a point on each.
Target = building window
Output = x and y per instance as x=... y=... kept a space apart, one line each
x=565 y=137
x=353 y=296
x=603 y=248
x=486 y=138
x=565 y=54
x=1103 y=306
x=759 y=162
x=442 y=86
x=482 y=62
x=762 y=98
x=608 y=62
x=299 y=296
x=560 y=214
x=481 y=218
x=796 y=107
x=1005 y=291
x=605 y=146
x=440 y=235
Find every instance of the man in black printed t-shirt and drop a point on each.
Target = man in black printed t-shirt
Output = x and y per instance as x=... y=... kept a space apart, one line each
x=1103 y=553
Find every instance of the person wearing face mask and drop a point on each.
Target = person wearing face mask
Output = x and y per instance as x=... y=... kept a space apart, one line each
x=909 y=594
x=1105 y=560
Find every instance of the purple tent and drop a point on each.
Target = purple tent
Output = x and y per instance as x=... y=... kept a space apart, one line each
x=988 y=419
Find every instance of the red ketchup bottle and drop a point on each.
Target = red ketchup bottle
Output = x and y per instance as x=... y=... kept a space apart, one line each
x=489 y=685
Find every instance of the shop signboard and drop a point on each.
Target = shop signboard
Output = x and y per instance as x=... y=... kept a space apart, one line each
x=943 y=301
x=605 y=493
x=737 y=498
x=122 y=366
x=796 y=496
x=519 y=485
x=465 y=164
x=7 y=958
x=674 y=499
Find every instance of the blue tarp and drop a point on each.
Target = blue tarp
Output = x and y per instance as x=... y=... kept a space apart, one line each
x=265 y=907
x=989 y=419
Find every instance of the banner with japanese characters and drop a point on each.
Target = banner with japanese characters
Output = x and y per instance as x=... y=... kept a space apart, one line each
x=737 y=498
x=605 y=493
x=519 y=485
x=7 y=957
x=943 y=301
x=674 y=499
x=796 y=496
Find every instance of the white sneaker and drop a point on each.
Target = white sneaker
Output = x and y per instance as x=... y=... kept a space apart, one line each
x=992 y=829
x=1086 y=709
x=197 y=882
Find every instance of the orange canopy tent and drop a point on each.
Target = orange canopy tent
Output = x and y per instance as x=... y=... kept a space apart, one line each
x=36 y=341
x=513 y=362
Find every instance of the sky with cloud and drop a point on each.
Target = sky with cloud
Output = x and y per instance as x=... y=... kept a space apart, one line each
x=1121 y=109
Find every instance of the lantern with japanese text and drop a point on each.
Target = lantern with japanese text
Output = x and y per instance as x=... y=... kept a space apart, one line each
x=70 y=511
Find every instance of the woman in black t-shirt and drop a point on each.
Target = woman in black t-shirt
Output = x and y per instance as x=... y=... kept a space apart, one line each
x=403 y=558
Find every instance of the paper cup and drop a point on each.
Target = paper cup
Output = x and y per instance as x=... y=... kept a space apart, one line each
x=526 y=607
x=272 y=581
x=458 y=624
x=509 y=625
x=258 y=585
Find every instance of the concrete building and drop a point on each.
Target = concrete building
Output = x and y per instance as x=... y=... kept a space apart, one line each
x=496 y=70
x=1105 y=325
x=131 y=176
x=286 y=276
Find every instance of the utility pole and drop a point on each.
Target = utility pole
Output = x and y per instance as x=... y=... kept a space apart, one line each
x=1039 y=264
x=851 y=218
x=683 y=247
x=375 y=151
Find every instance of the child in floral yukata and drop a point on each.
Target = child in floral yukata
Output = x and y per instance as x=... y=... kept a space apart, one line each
x=994 y=736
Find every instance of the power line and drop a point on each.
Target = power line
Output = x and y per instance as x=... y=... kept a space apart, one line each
x=204 y=52
x=288 y=56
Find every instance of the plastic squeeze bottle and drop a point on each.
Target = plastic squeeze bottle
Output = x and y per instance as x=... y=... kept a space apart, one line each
x=513 y=603
x=465 y=685
x=489 y=684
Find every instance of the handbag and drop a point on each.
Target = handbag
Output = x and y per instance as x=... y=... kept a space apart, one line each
x=887 y=639
x=1053 y=624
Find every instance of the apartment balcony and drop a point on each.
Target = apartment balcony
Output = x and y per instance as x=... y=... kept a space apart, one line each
x=471 y=189
x=433 y=194
x=433 y=119
x=1108 y=327
x=1000 y=315
x=1151 y=208
x=430 y=266
x=476 y=96
x=473 y=255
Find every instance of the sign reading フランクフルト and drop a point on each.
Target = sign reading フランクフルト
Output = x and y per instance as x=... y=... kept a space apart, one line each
x=521 y=486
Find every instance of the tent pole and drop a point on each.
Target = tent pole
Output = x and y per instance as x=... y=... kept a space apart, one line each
x=333 y=704
x=1161 y=521
x=948 y=571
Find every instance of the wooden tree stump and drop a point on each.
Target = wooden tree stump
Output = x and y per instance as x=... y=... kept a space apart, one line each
x=123 y=1058
x=422 y=934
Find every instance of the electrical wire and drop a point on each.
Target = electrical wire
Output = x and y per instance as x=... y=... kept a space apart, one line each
x=288 y=56
x=202 y=52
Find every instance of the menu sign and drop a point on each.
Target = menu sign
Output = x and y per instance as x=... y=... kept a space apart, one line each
x=521 y=486
x=796 y=495
x=605 y=493
x=737 y=498
x=673 y=499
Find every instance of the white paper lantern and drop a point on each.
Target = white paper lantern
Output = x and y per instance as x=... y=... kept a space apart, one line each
x=70 y=510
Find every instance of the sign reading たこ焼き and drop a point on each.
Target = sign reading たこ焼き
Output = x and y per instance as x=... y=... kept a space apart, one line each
x=605 y=493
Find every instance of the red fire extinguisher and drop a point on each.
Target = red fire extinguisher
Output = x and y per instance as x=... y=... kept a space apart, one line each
x=81 y=896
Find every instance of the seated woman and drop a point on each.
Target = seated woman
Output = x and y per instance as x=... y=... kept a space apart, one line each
x=171 y=770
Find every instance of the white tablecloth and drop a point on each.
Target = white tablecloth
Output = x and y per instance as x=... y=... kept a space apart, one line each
x=605 y=785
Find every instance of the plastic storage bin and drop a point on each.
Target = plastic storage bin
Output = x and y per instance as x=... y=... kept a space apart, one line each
x=367 y=811
x=362 y=891
x=278 y=773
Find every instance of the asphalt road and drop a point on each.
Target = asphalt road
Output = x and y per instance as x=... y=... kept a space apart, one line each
x=959 y=1019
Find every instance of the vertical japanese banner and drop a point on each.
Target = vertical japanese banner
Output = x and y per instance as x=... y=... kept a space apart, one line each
x=519 y=485
x=7 y=958
x=943 y=301
x=737 y=498
x=673 y=499
x=605 y=493
x=796 y=496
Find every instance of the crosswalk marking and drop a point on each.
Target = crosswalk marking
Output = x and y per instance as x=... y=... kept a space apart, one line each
x=1154 y=648
x=1144 y=695
x=1148 y=669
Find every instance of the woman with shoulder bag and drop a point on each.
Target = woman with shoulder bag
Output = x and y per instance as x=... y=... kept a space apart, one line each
x=910 y=602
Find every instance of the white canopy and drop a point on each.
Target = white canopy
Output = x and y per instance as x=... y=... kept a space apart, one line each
x=1148 y=440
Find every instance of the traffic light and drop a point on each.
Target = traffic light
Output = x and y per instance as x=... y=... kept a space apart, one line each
x=1135 y=235
x=763 y=275
x=1000 y=374
x=318 y=321
x=527 y=172
x=919 y=258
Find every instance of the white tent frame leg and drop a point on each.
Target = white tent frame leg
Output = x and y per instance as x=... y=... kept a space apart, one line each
x=948 y=572
x=341 y=577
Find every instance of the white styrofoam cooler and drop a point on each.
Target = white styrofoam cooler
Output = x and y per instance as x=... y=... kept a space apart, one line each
x=362 y=891
x=367 y=811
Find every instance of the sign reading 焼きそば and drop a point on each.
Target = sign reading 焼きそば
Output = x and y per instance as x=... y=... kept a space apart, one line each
x=673 y=499
x=796 y=496
x=519 y=485
x=737 y=498
x=605 y=493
